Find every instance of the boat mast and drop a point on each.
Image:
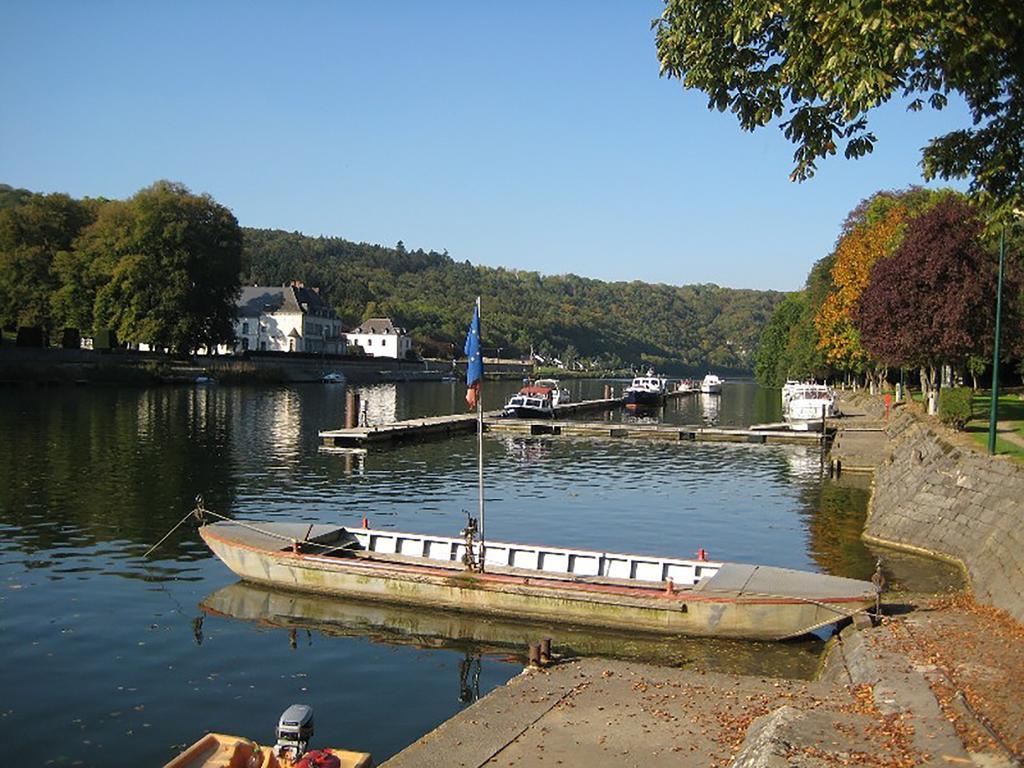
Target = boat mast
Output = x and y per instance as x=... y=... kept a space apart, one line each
x=480 y=451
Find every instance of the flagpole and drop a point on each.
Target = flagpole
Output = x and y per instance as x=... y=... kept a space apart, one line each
x=480 y=452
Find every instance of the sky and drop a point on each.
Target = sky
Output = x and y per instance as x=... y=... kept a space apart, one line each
x=530 y=135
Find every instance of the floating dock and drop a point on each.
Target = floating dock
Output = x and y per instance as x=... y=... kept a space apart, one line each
x=438 y=426
x=672 y=432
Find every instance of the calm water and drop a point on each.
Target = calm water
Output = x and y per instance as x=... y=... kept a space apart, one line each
x=112 y=660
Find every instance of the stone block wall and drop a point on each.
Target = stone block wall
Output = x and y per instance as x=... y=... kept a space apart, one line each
x=931 y=495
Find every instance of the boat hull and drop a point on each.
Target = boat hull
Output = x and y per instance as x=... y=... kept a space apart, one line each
x=644 y=399
x=525 y=412
x=700 y=610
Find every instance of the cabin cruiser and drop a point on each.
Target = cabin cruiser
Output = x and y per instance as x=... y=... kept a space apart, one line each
x=531 y=402
x=646 y=390
x=711 y=385
x=805 y=404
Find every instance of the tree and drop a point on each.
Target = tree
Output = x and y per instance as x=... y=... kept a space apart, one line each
x=931 y=302
x=166 y=266
x=871 y=232
x=824 y=66
x=34 y=232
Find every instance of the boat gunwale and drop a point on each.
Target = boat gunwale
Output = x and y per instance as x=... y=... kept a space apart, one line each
x=655 y=591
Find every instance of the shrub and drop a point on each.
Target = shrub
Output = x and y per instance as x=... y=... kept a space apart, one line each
x=955 y=406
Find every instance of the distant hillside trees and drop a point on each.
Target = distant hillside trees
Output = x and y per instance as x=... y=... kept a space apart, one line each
x=669 y=327
x=161 y=267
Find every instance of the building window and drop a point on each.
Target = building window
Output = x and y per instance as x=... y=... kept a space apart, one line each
x=245 y=328
x=245 y=344
x=263 y=346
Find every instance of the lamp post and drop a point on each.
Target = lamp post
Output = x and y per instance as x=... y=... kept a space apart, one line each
x=993 y=414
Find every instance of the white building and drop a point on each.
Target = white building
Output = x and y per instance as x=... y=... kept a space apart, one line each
x=287 y=318
x=379 y=337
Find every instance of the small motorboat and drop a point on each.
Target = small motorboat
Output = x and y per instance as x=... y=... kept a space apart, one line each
x=333 y=378
x=294 y=731
x=531 y=402
x=711 y=385
x=646 y=391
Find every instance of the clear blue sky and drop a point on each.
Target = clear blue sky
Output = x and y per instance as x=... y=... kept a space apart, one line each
x=532 y=135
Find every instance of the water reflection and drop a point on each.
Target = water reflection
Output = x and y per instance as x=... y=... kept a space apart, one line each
x=525 y=450
x=709 y=408
x=503 y=638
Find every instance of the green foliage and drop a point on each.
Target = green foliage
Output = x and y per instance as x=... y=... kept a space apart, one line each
x=820 y=67
x=35 y=232
x=955 y=406
x=789 y=347
x=163 y=267
x=683 y=328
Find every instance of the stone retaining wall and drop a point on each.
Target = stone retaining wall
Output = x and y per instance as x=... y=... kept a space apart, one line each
x=932 y=496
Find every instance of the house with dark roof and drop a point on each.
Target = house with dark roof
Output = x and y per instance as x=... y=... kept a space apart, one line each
x=380 y=337
x=287 y=318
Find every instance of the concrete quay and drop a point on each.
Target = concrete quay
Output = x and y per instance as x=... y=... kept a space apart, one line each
x=936 y=684
x=871 y=706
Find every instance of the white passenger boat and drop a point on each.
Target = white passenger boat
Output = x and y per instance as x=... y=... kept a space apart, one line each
x=804 y=404
x=646 y=391
x=711 y=385
x=573 y=586
x=333 y=378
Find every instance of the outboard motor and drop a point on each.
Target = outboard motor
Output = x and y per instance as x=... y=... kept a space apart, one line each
x=294 y=731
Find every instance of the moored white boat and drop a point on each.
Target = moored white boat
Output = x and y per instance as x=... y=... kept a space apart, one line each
x=531 y=402
x=804 y=404
x=595 y=588
x=711 y=385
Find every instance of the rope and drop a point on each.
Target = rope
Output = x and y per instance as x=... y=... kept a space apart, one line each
x=166 y=535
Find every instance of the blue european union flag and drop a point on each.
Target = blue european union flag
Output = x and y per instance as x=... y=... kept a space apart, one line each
x=475 y=361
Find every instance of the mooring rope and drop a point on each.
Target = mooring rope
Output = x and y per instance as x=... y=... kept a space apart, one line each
x=200 y=512
x=167 y=535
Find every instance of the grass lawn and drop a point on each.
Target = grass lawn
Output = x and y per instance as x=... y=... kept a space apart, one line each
x=1010 y=434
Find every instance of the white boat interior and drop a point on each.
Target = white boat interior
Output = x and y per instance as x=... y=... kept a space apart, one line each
x=429 y=550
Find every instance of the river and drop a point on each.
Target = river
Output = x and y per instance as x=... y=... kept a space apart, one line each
x=112 y=659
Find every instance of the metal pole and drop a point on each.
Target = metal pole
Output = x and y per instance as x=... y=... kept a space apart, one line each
x=480 y=452
x=993 y=414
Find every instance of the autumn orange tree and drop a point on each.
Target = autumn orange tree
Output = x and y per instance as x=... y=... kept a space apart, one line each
x=872 y=231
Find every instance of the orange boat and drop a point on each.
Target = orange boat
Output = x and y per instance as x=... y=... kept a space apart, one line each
x=217 y=750
x=294 y=731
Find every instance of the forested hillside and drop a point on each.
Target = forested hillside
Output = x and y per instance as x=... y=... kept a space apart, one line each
x=672 y=327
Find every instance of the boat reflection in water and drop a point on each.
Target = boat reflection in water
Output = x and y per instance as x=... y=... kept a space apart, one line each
x=476 y=635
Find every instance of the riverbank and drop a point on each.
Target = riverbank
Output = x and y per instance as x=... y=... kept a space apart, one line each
x=937 y=682
x=53 y=366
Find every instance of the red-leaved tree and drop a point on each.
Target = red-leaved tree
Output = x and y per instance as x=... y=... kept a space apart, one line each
x=933 y=301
